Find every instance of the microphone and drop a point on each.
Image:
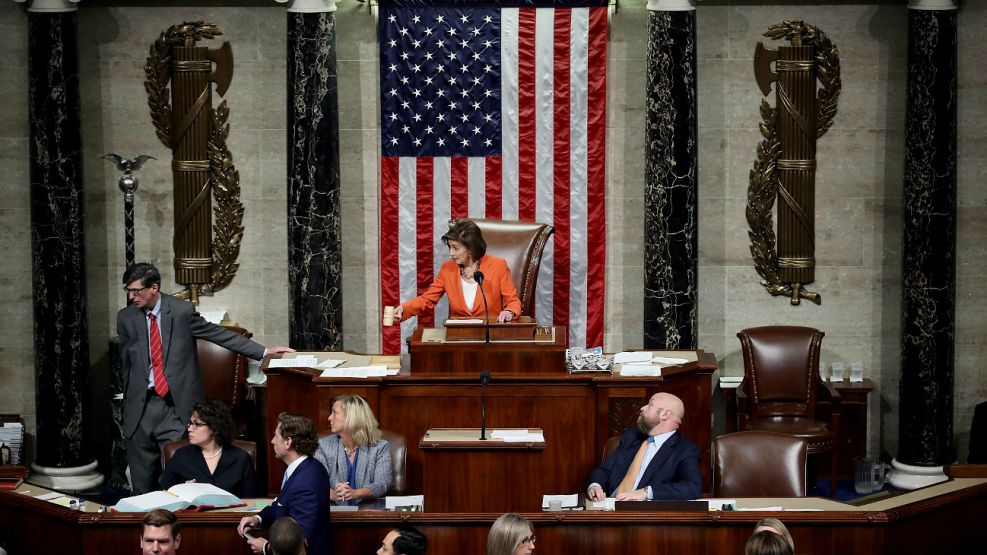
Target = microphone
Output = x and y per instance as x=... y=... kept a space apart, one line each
x=484 y=378
x=478 y=276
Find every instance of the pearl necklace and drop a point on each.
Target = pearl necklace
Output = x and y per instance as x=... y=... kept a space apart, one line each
x=214 y=455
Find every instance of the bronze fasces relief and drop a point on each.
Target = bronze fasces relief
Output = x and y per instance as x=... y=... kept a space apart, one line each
x=785 y=162
x=208 y=211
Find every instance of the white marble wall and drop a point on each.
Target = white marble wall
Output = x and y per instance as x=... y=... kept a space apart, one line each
x=858 y=187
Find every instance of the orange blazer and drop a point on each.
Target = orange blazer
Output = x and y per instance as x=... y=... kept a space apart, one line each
x=497 y=283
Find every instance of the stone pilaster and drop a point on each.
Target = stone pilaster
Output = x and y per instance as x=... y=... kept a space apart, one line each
x=314 y=235
x=925 y=433
x=61 y=337
x=670 y=186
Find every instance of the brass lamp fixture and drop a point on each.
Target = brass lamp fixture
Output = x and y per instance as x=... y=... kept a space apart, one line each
x=207 y=237
x=785 y=163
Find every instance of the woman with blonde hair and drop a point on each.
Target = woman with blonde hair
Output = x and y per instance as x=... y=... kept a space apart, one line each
x=511 y=534
x=355 y=455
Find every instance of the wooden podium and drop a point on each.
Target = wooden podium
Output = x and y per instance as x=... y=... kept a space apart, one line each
x=513 y=349
x=461 y=473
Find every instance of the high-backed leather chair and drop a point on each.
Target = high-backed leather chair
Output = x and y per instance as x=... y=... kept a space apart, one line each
x=224 y=372
x=521 y=244
x=612 y=443
x=168 y=450
x=399 y=461
x=781 y=382
x=759 y=464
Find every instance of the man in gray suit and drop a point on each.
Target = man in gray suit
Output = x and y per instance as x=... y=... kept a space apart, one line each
x=162 y=376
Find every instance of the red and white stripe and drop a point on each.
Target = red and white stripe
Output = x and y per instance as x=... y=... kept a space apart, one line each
x=551 y=169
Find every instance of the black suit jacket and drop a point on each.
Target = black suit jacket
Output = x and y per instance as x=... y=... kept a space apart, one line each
x=305 y=498
x=672 y=474
x=234 y=471
x=180 y=326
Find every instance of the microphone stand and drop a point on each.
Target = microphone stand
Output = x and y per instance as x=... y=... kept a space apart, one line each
x=484 y=378
x=478 y=276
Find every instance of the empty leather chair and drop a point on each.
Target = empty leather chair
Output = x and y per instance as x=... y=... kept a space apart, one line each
x=759 y=464
x=521 y=245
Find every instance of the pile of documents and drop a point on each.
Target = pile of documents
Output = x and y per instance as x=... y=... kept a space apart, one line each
x=12 y=436
x=644 y=363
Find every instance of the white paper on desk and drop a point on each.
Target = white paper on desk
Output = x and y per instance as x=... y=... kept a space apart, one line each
x=631 y=357
x=355 y=372
x=717 y=504
x=670 y=361
x=517 y=435
x=298 y=362
x=50 y=496
x=640 y=370
x=343 y=508
x=605 y=505
x=565 y=500
x=330 y=363
x=392 y=502
x=464 y=321
x=772 y=508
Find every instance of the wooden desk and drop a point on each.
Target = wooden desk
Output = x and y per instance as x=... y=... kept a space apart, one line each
x=577 y=412
x=520 y=357
x=463 y=474
x=853 y=421
x=941 y=519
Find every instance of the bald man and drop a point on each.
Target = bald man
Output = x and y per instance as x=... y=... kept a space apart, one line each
x=653 y=461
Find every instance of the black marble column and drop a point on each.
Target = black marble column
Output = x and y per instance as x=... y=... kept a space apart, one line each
x=61 y=338
x=314 y=241
x=925 y=433
x=670 y=198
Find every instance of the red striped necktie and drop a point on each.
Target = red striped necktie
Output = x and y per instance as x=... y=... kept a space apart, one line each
x=157 y=358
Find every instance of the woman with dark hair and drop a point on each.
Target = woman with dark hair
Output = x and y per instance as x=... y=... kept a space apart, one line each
x=468 y=256
x=210 y=457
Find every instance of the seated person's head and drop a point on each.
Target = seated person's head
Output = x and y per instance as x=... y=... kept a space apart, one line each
x=776 y=526
x=767 y=542
x=294 y=433
x=286 y=537
x=161 y=533
x=210 y=421
x=351 y=416
x=511 y=534
x=403 y=540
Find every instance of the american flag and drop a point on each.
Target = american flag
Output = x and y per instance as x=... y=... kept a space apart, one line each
x=494 y=110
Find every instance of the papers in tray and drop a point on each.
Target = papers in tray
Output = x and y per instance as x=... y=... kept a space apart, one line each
x=404 y=502
x=518 y=435
x=180 y=497
x=359 y=372
x=296 y=362
x=566 y=501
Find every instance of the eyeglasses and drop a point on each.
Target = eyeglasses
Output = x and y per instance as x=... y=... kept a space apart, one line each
x=128 y=291
x=196 y=424
x=530 y=540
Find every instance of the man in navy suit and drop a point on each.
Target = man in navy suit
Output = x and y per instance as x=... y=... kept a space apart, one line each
x=652 y=461
x=304 y=494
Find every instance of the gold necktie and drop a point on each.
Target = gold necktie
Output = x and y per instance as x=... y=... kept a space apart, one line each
x=627 y=484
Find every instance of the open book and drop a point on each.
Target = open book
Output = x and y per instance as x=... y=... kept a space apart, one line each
x=180 y=497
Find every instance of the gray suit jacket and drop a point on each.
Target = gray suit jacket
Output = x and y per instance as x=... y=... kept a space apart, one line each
x=180 y=326
x=373 y=464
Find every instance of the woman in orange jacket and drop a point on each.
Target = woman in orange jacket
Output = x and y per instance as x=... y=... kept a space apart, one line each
x=467 y=256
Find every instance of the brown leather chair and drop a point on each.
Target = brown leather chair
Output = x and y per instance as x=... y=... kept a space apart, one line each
x=224 y=373
x=521 y=244
x=781 y=381
x=759 y=464
x=610 y=446
x=168 y=450
x=399 y=461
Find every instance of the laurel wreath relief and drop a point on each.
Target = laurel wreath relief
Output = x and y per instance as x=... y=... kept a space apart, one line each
x=224 y=179
x=763 y=178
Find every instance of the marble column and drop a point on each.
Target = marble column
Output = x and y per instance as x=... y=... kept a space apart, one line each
x=925 y=428
x=314 y=236
x=61 y=337
x=670 y=196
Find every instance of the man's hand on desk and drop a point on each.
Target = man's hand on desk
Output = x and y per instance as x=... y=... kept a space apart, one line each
x=595 y=493
x=277 y=350
x=636 y=495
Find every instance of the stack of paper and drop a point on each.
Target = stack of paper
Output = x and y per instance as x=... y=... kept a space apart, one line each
x=296 y=362
x=518 y=435
x=564 y=501
x=12 y=435
x=359 y=372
